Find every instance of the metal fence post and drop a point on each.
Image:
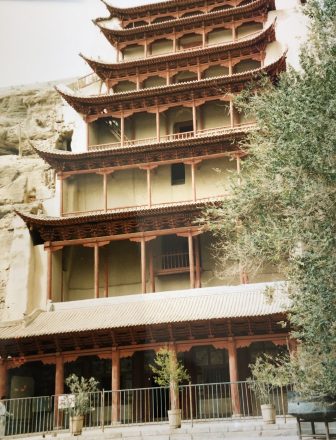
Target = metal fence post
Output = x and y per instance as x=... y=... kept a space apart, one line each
x=190 y=403
x=102 y=409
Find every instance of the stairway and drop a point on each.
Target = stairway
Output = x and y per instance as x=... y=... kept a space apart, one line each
x=251 y=429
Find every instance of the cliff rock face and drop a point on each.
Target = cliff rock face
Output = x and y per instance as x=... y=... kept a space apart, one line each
x=27 y=117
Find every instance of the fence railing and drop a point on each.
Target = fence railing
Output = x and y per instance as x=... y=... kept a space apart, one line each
x=175 y=137
x=139 y=406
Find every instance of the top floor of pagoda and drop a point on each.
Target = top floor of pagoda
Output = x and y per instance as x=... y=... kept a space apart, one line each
x=233 y=17
x=162 y=11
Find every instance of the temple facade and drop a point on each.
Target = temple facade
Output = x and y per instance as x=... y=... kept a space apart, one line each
x=126 y=266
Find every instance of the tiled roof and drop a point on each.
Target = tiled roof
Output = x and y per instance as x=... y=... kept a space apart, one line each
x=150 y=309
x=118 y=213
x=217 y=81
x=157 y=6
x=134 y=32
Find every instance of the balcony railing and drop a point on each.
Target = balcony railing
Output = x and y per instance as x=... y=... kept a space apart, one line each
x=174 y=137
x=213 y=401
x=173 y=262
x=193 y=48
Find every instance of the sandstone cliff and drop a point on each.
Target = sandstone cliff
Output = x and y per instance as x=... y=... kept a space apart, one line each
x=27 y=116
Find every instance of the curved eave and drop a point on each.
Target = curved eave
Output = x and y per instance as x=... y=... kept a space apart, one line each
x=32 y=220
x=123 y=222
x=143 y=10
x=224 y=84
x=265 y=36
x=63 y=161
x=195 y=21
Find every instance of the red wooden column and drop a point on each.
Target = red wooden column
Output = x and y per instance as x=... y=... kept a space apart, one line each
x=145 y=49
x=118 y=52
x=3 y=378
x=96 y=270
x=190 y=236
x=231 y=113
x=157 y=118
x=142 y=241
x=148 y=169
x=106 y=274
x=59 y=375
x=193 y=163
x=105 y=175
x=203 y=38
x=96 y=247
x=194 y=115
x=197 y=262
x=115 y=386
x=61 y=178
x=151 y=269
x=234 y=377
x=122 y=130
x=49 y=274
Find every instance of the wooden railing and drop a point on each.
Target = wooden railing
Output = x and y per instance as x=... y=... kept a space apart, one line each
x=173 y=137
x=193 y=48
x=172 y=262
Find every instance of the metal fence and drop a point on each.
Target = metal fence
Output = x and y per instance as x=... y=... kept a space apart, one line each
x=139 y=406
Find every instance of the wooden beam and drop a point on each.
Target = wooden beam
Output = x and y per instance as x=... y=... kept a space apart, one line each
x=134 y=236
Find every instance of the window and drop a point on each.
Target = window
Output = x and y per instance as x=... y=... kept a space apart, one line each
x=178 y=174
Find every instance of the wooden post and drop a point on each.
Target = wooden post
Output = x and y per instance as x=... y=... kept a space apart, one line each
x=106 y=289
x=61 y=195
x=174 y=394
x=203 y=38
x=199 y=73
x=167 y=77
x=191 y=260
x=151 y=269
x=145 y=49
x=96 y=270
x=234 y=34
x=198 y=262
x=105 y=191
x=118 y=53
x=143 y=265
x=149 y=187
x=115 y=386
x=231 y=113
x=3 y=379
x=234 y=377
x=49 y=274
x=122 y=130
x=174 y=43
x=193 y=185
x=59 y=375
x=137 y=80
x=194 y=118
x=158 y=124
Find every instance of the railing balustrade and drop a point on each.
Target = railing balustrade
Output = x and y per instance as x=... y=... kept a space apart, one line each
x=211 y=401
x=173 y=261
x=173 y=137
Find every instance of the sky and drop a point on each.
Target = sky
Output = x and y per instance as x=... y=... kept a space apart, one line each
x=40 y=39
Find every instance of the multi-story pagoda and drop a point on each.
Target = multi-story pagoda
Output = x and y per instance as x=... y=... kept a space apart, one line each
x=128 y=267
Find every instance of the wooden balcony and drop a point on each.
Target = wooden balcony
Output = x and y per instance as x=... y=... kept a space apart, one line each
x=172 y=263
x=174 y=137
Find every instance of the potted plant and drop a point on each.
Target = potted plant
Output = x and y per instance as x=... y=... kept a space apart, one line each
x=262 y=382
x=168 y=371
x=78 y=402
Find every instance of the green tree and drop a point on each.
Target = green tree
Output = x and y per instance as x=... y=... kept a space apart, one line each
x=283 y=210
